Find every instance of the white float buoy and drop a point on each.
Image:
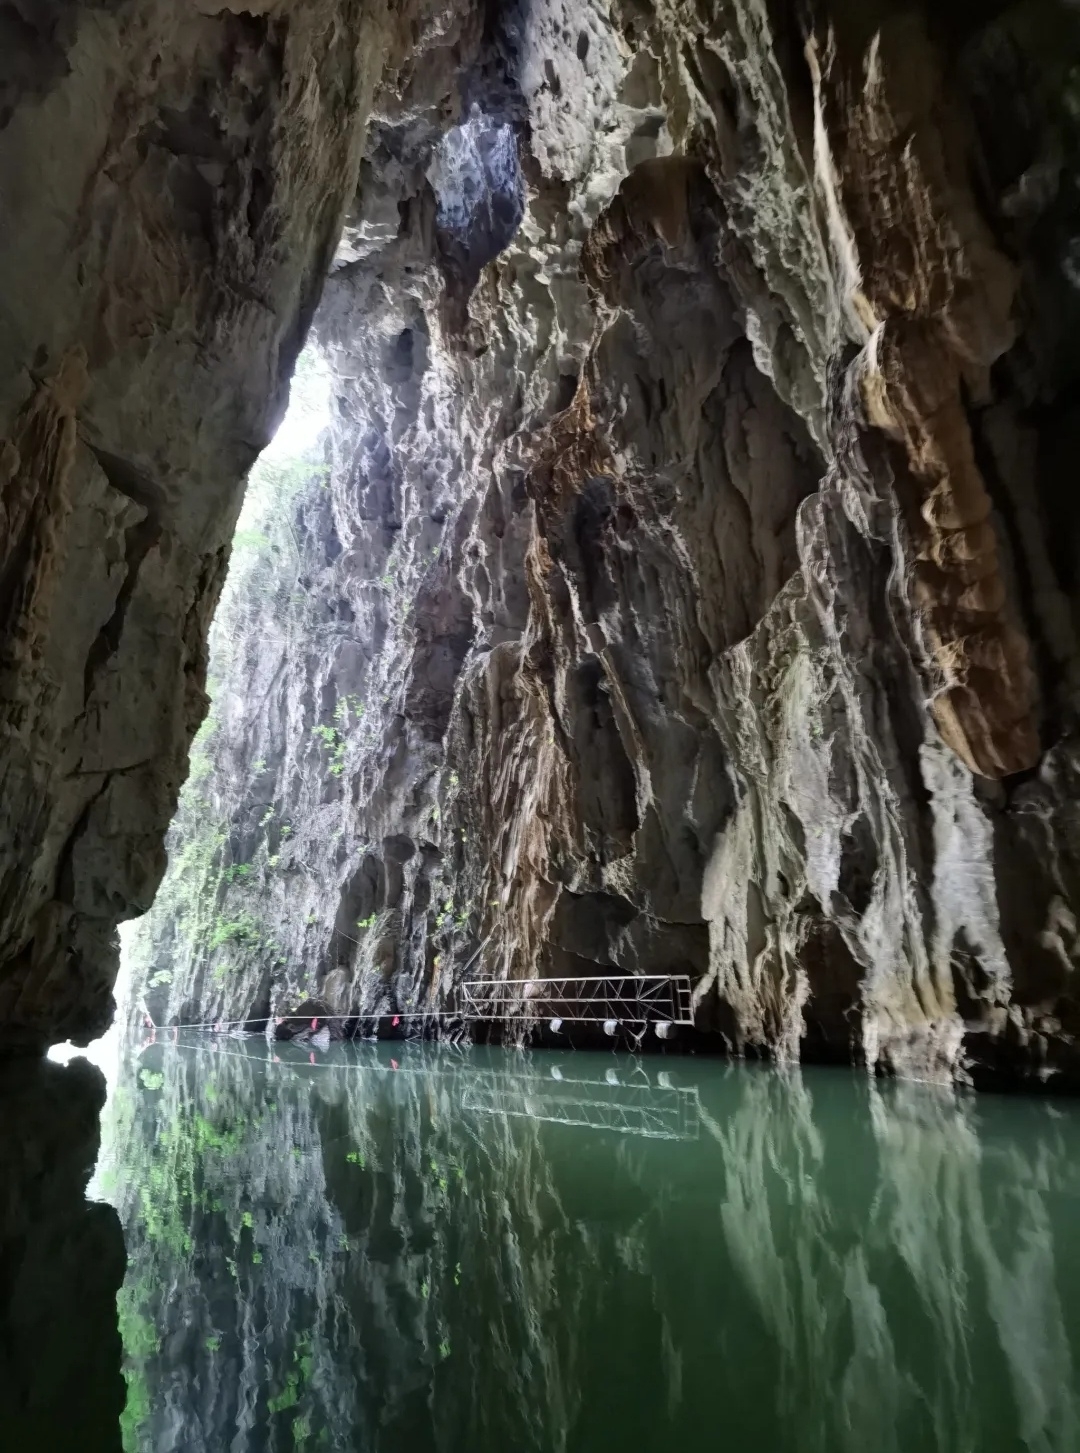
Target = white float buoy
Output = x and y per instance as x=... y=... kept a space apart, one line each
x=556 y=1072
x=665 y=1030
x=555 y=1026
x=611 y=1077
x=611 y=1028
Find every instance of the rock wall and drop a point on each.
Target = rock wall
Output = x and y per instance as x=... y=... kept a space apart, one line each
x=687 y=578
x=173 y=181
x=61 y=1264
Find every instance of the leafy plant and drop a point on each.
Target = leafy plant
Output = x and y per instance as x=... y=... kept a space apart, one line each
x=288 y=1397
x=234 y=930
x=335 y=743
x=349 y=705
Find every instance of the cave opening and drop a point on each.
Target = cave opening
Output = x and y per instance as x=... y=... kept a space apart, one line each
x=646 y=642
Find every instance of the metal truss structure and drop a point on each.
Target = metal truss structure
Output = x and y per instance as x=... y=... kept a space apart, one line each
x=630 y=999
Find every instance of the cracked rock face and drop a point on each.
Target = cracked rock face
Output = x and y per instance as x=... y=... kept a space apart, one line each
x=686 y=582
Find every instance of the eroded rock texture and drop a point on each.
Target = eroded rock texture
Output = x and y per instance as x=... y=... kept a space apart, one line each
x=172 y=182
x=690 y=585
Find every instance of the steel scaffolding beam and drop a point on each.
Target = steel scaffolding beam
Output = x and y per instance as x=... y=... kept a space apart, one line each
x=596 y=998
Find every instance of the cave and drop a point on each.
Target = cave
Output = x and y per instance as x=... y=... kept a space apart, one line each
x=536 y=555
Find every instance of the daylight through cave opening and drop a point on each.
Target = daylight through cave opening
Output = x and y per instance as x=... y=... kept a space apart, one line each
x=678 y=589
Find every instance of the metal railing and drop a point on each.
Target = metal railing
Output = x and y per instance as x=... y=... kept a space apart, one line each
x=598 y=998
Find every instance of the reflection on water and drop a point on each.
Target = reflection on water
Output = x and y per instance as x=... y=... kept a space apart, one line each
x=468 y=1252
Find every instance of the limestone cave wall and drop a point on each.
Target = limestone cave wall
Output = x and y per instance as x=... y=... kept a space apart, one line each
x=173 y=180
x=685 y=577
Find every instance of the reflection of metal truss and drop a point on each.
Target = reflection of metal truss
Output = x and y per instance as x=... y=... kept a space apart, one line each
x=625 y=998
x=637 y=1108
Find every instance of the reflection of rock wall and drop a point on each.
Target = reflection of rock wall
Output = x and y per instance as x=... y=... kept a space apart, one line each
x=61 y=1264
x=977 y=1213
x=302 y=1246
x=908 y=1267
x=444 y=1255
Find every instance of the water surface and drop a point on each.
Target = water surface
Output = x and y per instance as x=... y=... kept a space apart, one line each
x=405 y=1249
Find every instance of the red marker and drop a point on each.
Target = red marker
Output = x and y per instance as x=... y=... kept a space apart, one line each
x=395 y=1022
x=311 y=1059
x=314 y=1024
x=393 y=1064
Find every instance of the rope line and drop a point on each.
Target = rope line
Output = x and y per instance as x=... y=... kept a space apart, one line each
x=322 y=1018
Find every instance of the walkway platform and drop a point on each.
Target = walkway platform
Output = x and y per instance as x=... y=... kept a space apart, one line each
x=622 y=999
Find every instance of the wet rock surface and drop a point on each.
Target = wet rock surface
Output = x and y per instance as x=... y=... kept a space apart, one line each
x=685 y=581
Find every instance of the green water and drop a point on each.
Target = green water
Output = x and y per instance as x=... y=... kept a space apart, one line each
x=483 y=1252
